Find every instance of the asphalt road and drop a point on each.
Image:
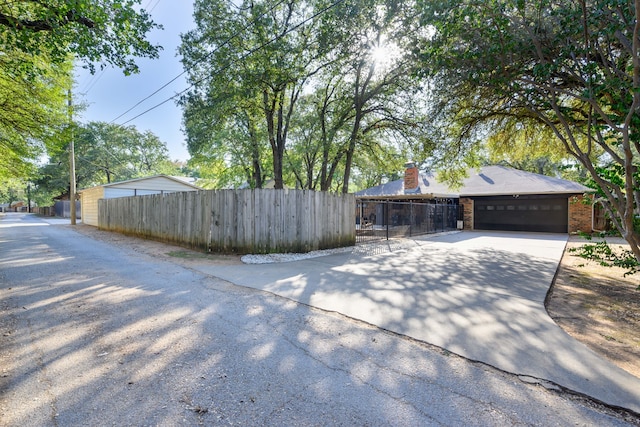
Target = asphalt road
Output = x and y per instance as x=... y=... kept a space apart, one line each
x=96 y=334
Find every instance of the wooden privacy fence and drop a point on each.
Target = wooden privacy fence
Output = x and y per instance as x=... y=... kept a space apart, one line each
x=236 y=221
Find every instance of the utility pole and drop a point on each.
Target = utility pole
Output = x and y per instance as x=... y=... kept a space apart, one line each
x=29 y=197
x=72 y=166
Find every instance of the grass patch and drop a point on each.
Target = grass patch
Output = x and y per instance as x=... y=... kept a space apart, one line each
x=187 y=254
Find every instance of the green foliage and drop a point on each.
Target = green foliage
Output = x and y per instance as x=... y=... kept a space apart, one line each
x=18 y=189
x=260 y=65
x=100 y=31
x=39 y=40
x=33 y=113
x=550 y=75
x=614 y=174
x=376 y=165
x=602 y=253
x=214 y=173
x=11 y=190
x=303 y=93
x=370 y=77
x=105 y=153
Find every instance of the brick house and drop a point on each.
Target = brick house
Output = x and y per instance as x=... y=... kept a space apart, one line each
x=503 y=198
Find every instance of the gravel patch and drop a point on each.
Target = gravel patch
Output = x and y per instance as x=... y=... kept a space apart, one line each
x=273 y=258
x=372 y=247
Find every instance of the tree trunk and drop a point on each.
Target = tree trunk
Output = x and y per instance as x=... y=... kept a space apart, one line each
x=349 y=158
x=256 y=167
x=269 y=111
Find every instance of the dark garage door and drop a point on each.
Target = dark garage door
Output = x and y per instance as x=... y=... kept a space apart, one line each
x=530 y=213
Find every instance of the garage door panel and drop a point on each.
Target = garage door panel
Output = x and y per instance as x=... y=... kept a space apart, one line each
x=521 y=214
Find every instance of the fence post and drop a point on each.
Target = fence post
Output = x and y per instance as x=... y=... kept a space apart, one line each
x=411 y=217
x=386 y=217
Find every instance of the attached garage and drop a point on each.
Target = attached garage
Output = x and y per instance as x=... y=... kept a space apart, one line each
x=507 y=199
x=524 y=213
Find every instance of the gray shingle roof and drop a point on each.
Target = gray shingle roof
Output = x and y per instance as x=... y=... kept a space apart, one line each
x=487 y=181
x=499 y=180
x=428 y=188
x=185 y=181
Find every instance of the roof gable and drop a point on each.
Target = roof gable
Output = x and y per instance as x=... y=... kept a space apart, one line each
x=428 y=188
x=486 y=181
x=500 y=180
x=152 y=183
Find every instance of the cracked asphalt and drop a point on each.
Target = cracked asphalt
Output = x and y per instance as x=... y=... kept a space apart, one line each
x=97 y=334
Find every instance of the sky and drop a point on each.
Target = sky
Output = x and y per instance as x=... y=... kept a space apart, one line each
x=110 y=93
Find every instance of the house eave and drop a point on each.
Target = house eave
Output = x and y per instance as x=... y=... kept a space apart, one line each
x=428 y=196
x=526 y=193
x=125 y=185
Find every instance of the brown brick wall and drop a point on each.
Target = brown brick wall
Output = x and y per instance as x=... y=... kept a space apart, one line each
x=466 y=205
x=580 y=214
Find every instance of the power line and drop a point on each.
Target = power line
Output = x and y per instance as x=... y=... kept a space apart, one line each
x=154 y=6
x=94 y=81
x=149 y=96
x=238 y=33
x=242 y=57
x=207 y=56
x=91 y=80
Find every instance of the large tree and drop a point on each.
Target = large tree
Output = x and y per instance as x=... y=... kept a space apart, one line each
x=248 y=64
x=311 y=81
x=33 y=112
x=11 y=190
x=570 y=66
x=38 y=42
x=109 y=32
x=224 y=136
x=106 y=153
x=333 y=139
x=369 y=41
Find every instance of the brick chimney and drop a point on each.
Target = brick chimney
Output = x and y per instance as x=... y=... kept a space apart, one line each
x=411 y=184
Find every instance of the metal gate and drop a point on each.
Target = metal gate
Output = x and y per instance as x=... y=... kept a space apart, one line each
x=385 y=219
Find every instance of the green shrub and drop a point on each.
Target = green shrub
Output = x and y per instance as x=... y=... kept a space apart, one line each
x=602 y=253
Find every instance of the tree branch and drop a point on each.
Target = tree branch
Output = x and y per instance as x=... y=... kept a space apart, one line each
x=45 y=24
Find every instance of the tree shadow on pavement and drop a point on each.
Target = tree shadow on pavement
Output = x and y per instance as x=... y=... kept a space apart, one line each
x=104 y=335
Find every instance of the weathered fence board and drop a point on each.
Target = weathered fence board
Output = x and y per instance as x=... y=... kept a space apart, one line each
x=236 y=221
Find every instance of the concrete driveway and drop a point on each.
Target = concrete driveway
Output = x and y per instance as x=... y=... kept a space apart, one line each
x=100 y=332
x=478 y=294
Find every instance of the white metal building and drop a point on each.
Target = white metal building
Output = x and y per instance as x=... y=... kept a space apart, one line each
x=158 y=184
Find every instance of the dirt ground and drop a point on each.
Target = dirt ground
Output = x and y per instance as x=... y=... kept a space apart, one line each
x=596 y=305
x=176 y=254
